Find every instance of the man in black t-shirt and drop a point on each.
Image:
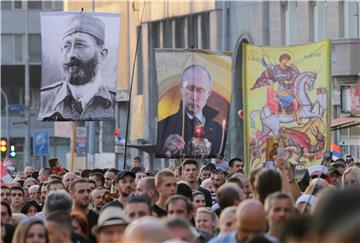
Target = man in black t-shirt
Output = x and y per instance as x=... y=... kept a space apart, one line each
x=80 y=193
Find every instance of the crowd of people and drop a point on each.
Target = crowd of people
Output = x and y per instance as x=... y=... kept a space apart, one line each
x=215 y=202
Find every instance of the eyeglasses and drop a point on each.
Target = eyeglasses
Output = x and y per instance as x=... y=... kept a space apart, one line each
x=322 y=176
x=17 y=194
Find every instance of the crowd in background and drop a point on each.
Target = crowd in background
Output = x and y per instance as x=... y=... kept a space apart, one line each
x=215 y=202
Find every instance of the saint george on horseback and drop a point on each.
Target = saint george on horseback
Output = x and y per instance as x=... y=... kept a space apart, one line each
x=280 y=99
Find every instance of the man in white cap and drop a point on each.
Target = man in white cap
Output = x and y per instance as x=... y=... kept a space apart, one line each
x=318 y=171
x=111 y=225
x=304 y=203
x=80 y=95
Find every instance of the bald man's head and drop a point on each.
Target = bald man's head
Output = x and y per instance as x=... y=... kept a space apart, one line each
x=229 y=194
x=146 y=229
x=250 y=219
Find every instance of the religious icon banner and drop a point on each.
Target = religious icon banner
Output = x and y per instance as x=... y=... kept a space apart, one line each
x=79 y=66
x=194 y=88
x=287 y=103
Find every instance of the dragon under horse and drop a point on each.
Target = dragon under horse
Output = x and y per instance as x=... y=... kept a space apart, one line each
x=271 y=122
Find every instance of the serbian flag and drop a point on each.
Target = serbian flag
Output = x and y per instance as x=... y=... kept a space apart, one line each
x=336 y=152
x=119 y=137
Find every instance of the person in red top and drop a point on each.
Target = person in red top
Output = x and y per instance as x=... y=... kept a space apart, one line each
x=55 y=166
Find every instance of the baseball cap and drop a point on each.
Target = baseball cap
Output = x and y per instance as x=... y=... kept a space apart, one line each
x=339 y=162
x=124 y=173
x=318 y=169
x=109 y=216
x=86 y=23
x=305 y=198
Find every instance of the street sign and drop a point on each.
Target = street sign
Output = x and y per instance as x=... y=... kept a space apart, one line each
x=41 y=143
x=16 y=107
x=81 y=139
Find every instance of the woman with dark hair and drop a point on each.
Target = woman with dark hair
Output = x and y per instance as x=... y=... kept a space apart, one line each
x=30 y=230
x=30 y=208
x=79 y=223
x=266 y=182
x=185 y=190
x=199 y=200
x=5 y=212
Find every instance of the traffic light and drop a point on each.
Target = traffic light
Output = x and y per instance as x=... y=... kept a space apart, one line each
x=3 y=145
x=12 y=151
x=3 y=148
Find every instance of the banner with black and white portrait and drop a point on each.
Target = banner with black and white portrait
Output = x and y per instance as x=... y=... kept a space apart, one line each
x=79 y=66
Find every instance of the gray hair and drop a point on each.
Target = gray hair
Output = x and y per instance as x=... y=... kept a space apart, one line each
x=30 y=179
x=58 y=201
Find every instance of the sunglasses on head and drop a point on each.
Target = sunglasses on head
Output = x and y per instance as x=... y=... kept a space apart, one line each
x=322 y=176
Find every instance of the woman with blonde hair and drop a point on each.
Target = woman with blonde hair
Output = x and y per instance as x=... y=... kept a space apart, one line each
x=351 y=177
x=227 y=220
x=31 y=230
x=206 y=220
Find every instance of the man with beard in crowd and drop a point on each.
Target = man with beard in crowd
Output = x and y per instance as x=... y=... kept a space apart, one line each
x=68 y=178
x=96 y=199
x=80 y=193
x=109 y=177
x=278 y=209
x=146 y=186
x=125 y=182
x=81 y=94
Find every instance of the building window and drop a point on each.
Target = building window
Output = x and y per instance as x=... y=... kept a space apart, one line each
x=155 y=34
x=18 y=48
x=341 y=19
x=193 y=31
x=345 y=99
x=6 y=49
x=34 y=48
x=311 y=8
x=205 y=31
x=351 y=16
x=5 y=5
x=47 y=5
x=179 y=33
x=18 y=4
x=320 y=20
x=291 y=23
x=34 y=4
x=167 y=33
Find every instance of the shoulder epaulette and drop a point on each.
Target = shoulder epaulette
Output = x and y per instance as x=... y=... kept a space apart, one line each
x=52 y=86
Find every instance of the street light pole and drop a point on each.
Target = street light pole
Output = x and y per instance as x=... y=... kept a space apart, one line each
x=27 y=136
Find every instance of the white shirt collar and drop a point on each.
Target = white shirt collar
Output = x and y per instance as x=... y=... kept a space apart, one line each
x=200 y=116
x=84 y=93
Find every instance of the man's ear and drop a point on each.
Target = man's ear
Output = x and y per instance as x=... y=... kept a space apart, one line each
x=103 y=54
